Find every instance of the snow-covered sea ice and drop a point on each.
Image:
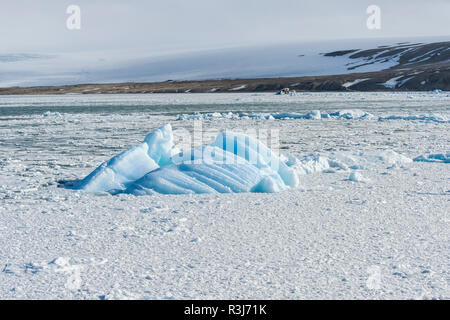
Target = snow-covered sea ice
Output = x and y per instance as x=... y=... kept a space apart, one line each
x=325 y=237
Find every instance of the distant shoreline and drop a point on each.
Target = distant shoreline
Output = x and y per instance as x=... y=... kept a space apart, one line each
x=369 y=81
x=405 y=67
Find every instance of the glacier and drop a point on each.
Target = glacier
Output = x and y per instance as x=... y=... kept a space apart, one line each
x=233 y=163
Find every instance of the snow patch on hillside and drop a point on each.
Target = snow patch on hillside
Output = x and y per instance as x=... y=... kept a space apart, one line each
x=352 y=83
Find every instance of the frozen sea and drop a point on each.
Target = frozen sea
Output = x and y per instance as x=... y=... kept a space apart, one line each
x=374 y=228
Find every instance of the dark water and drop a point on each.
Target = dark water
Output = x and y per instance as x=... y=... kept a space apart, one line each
x=172 y=104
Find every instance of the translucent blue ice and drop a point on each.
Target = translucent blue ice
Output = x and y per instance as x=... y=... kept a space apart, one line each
x=232 y=163
x=130 y=165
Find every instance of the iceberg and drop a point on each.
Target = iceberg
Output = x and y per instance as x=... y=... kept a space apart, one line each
x=232 y=163
x=130 y=165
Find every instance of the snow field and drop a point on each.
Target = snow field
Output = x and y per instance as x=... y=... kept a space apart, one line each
x=330 y=237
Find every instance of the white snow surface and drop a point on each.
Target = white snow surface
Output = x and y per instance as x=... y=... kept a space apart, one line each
x=332 y=238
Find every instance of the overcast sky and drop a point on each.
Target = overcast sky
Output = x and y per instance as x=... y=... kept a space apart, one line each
x=154 y=26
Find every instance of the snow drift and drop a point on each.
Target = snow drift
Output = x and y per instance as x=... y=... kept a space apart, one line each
x=233 y=163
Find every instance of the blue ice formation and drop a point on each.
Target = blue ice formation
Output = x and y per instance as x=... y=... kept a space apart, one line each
x=440 y=157
x=126 y=167
x=424 y=118
x=232 y=163
x=354 y=114
x=349 y=114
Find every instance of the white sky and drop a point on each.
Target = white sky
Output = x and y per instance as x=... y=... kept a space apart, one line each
x=154 y=26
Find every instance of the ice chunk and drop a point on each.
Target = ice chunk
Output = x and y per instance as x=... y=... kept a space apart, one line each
x=440 y=157
x=349 y=114
x=208 y=172
x=314 y=163
x=132 y=164
x=287 y=115
x=51 y=114
x=366 y=160
x=424 y=118
x=233 y=163
x=388 y=157
x=309 y=164
x=353 y=114
x=312 y=115
x=256 y=153
x=357 y=177
x=160 y=145
x=315 y=114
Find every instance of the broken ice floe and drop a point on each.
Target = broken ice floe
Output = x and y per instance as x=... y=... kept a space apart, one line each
x=349 y=114
x=354 y=114
x=233 y=163
x=424 y=118
x=440 y=157
x=51 y=114
x=132 y=164
x=356 y=176
x=334 y=161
